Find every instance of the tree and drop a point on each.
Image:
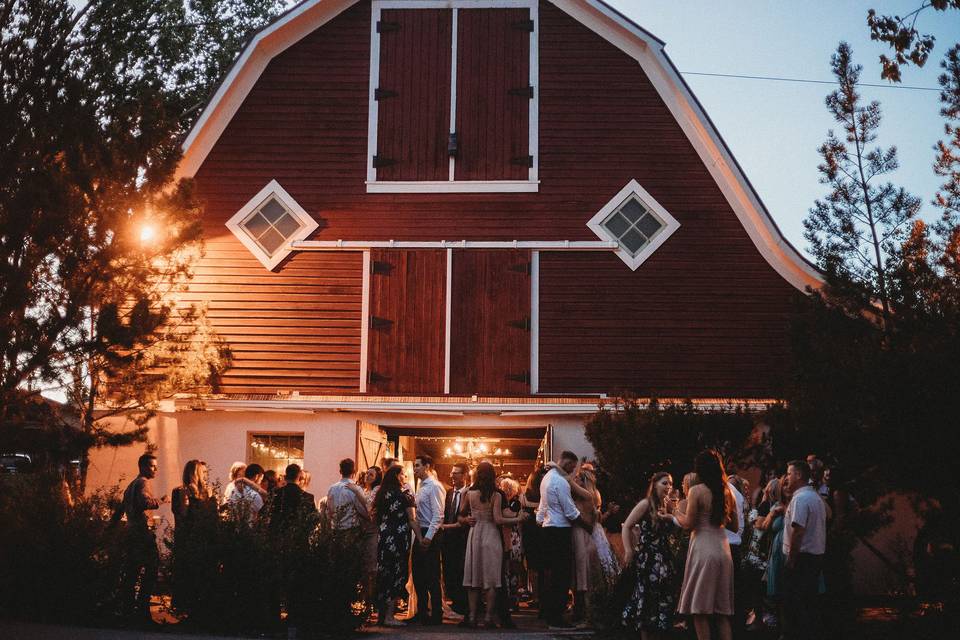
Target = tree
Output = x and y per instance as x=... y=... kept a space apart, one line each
x=853 y=231
x=909 y=45
x=95 y=239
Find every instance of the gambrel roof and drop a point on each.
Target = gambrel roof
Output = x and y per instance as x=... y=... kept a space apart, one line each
x=596 y=15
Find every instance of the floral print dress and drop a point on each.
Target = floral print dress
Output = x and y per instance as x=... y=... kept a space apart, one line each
x=393 y=545
x=654 y=601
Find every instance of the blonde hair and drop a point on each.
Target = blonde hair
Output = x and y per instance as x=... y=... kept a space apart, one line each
x=237 y=469
x=513 y=485
x=305 y=482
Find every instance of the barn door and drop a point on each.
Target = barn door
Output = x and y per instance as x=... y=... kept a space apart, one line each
x=407 y=321
x=490 y=323
x=372 y=445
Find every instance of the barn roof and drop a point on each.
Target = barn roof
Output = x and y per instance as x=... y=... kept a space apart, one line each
x=598 y=16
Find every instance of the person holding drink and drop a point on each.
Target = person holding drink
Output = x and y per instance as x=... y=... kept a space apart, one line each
x=646 y=533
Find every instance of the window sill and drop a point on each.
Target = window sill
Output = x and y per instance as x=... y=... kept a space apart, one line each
x=461 y=186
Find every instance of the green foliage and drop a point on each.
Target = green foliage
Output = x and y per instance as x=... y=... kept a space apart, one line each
x=231 y=574
x=632 y=441
x=94 y=102
x=60 y=563
x=854 y=230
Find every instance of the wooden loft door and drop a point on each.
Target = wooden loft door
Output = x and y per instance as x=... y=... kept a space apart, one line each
x=490 y=323
x=407 y=321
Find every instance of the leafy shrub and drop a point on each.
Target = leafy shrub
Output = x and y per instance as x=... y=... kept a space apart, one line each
x=59 y=563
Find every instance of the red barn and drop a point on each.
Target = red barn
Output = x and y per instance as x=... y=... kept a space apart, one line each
x=454 y=226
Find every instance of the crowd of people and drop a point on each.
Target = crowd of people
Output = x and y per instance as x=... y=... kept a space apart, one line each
x=482 y=544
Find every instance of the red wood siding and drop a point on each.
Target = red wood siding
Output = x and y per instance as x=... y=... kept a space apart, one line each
x=707 y=290
x=413 y=126
x=490 y=306
x=296 y=330
x=493 y=58
x=406 y=337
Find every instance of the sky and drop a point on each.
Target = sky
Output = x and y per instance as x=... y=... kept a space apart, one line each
x=774 y=128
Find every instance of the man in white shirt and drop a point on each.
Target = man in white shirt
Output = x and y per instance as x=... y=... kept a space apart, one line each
x=454 y=541
x=245 y=500
x=346 y=506
x=735 y=538
x=426 y=556
x=556 y=514
x=804 y=543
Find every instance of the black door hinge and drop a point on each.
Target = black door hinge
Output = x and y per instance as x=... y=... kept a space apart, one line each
x=523 y=161
x=380 y=323
x=380 y=268
x=523 y=92
x=520 y=324
x=523 y=267
x=373 y=377
x=380 y=94
x=524 y=25
x=519 y=377
x=384 y=27
x=380 y=161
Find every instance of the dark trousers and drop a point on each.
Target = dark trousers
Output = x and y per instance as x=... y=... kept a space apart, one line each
x=141 y=563
x=454 y=555
x=426 y=581
x=558 y=543
x=800 y=587
x=739 y=615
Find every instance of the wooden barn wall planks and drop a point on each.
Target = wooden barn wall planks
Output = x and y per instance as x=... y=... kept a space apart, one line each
x=490 y=313
x=415 y=65
x=705 y=314
x=493 y=59
x=295 y=330
x=407 y=309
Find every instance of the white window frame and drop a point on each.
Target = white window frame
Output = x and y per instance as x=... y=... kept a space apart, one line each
x=634 y=189
x=273 y=190
x=532 y=183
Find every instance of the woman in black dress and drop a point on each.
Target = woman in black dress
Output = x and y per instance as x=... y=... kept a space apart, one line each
x=651 y=608
x=394 y=509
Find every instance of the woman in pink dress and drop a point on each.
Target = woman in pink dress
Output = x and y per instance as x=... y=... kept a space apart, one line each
x=707 y=592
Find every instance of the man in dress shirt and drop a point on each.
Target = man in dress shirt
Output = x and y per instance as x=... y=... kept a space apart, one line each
x=346 y=506
x=735 y=538
x=454 y=541
x=804 y=543
x=556 y=514
x=426 y=556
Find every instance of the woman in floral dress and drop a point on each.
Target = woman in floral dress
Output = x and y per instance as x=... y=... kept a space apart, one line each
x=651 y=608
x=395 y=514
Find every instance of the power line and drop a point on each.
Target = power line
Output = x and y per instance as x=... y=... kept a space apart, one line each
x=803 y=80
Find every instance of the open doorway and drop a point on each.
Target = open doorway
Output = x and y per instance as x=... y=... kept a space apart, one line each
x=514 y=452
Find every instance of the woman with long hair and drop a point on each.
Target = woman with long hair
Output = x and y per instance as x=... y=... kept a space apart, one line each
x=707 y=592
x=193 y=495
x=482 y=567
x=370 y=482
x=533 y=552
x=653 y=602
x=394 y=509
x=192 y=503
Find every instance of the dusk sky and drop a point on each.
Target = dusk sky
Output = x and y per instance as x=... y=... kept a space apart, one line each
x=774 y=128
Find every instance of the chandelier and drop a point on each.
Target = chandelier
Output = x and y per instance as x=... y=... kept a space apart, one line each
x=474 y=449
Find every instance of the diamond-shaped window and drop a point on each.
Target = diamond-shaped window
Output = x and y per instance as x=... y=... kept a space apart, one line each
x=636 y=221
x=269 y=222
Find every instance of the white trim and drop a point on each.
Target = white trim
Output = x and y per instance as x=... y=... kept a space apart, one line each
x=458 y=186
x=633 y=188
x=365 y=322
x=534 y=321
x=373 y=106
x=441 y=408
x=454 y=28
x=533 y=119
x=595 y=15
x=273 y=190
x=543 y=245
x=448 y=315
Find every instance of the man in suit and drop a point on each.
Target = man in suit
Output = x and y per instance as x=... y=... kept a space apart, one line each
x=455 y=539
x=292 y=505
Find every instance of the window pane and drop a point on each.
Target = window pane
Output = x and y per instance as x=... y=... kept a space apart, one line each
x=287 y=225
x=271 y=241
x=272 y=210
x=256 y=225
x=649 y=225
x=633 y=241
x=632 y=210
x=616 y=224
x=276 y=451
